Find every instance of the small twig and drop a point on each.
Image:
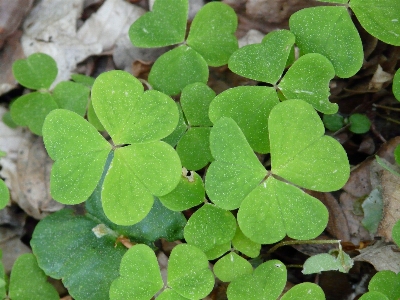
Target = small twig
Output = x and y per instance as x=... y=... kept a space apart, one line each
x=386 y=107
x=388 y=119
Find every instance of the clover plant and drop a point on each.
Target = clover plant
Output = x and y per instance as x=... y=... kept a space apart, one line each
x=383 y=285
x=357 y=123
x=136 y=183
x=37 y=72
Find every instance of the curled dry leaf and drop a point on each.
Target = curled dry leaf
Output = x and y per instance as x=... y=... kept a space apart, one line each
x=50 y=28
x=382 y=256
x=379 y=78
x=26 y=169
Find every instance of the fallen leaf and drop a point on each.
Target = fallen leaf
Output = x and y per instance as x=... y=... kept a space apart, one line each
x=252 y=36
x=26 y=170
x=50 y=28
x=379 y=78
x=381 y=255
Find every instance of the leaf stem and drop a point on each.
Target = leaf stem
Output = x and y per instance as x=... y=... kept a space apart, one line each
x=286 y=243
x=386 y=107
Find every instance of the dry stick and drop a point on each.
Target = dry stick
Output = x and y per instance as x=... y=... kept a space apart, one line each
x=386 y=107
x=286 y=243
x=387 y=118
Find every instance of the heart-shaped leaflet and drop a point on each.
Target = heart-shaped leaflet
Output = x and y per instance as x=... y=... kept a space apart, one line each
x=212 y=33
x=143 y=166
x=165 y=25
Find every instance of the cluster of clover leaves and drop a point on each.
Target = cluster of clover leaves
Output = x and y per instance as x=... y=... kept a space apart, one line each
x=136 y=183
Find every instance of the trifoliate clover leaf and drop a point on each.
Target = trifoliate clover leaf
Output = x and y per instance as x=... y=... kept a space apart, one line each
x=140 y=276
x=212 y=33
x=379 y=18
x=266 y=282
x=165 y=25
x=72 y=96
x=243 y=244
x=265 y=61
x=308 y=79
x=329 y=30
x=37 y=71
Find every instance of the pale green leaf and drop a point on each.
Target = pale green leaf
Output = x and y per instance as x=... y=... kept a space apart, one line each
x=72 y=96
x=387 y=283
x=218 y=251
x=212 y=33
x=308 y=79
x=396 y=85
x=243 y=244
x=4 y=194
x=329 y=30
x=231 y=266
x=210 y=226
x=249 y=107
x=79 y=152
x=177 y=68
x=302 y=154
x=379 y=18
x=236 y=170
x=265 y=61
x=304 y=291
x=188 y=272
x=373 y=211
x=165 y=25
x=373 y=296
x=37 y=71
x=140 y=276
x=396 y=233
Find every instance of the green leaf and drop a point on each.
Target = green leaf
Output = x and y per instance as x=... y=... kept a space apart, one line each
x=72 y=96
x=128 y=114
x=86 y=264
x=3 y=279
x=194 y=148
x=249 y=107
x=231 y=266
x=37 y=71
x=396 y=85
x=333 y=122
x=195 y=101
x=79 y=152
x=379 y=18
x=83 y=79
x=169 y=294
x=236 y=170
x=302 y=154
x=243 y=244
x=165 y=25
x=4 y=194
x=212 y=33
x=189 y=192
x=218 y=251
x=7 y=119
x=275 y=209
x=31 y=110
x=384 y=165
x=266 y=283
x=387 y=283
x=373 y=296
x=359 y=123
x=138 y=172
x=93 y=119
x=328 y=262
x=265 y=61
x=304 y=291
x=396 y=233
x=308 y=79
x=188 y=272
x=329 y=30
x=210 y=226
x=177 y=68
x=373 y=211
x=179 y=131
x=29 y=282
x=140 y=276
